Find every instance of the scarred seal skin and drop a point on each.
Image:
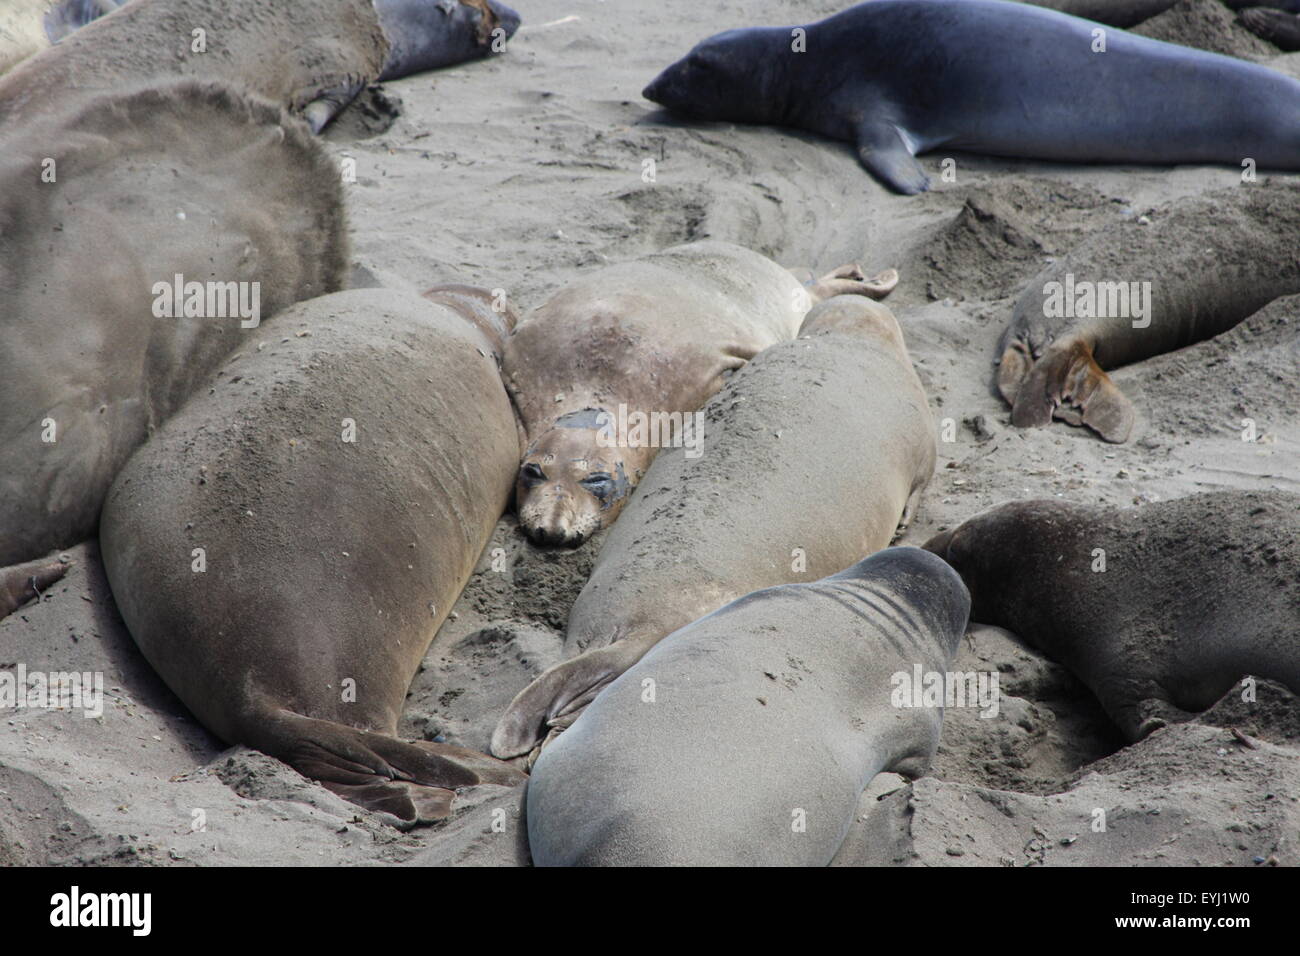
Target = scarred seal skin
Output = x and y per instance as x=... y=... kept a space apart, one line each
x=285 y=548
x=654 y=336
x=897 y=78
x=747 y=737
x=1138 y=289
x=311 y=57
x=812 y=456
x=1159 y=609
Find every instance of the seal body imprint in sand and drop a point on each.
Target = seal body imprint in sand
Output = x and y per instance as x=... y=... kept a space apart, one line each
x=748 y=736
x=309 y=56
x=901 y=77
x=812 y=456
x=1158 y=609
x=100 y=212
x=285 y=548
x=652 y=337
x=1136 y=290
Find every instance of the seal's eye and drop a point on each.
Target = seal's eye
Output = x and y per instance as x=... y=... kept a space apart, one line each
x=599 y=484
x=531 y=474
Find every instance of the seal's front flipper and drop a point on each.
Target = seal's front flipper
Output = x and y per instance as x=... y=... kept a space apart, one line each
x=327 y=99
x=1068 y=384
x=415 y=781
x=884 y=153
x=1013 y=369
x=547 y=706
x=24 y=582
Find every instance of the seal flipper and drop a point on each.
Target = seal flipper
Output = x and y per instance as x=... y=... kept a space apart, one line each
x=415 y=781
x=554 y=700
x=327 y=99
x=23 y=582
x=884 y=153
x=1068 y=384
x=851 y=280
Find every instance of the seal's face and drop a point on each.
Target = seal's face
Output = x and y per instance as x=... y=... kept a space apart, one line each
x=715 y=81
x=569 y=487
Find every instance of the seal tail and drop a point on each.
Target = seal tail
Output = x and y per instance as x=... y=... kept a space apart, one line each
x=21 y=583
x=415 y=781
x=1068 y=384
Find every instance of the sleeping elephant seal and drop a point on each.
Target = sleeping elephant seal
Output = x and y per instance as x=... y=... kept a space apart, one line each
x=1158 y=609
x=747 y=737
x=285 y=548
x=813 y=455
x=140 y=240
x=609 y=363
x=1136 y=290
x=309 y=56
x=897 y=78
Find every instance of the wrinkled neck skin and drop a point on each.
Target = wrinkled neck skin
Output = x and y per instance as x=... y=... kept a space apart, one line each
x=424 y=35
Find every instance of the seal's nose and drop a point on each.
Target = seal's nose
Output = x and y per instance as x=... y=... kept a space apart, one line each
x=651 y=92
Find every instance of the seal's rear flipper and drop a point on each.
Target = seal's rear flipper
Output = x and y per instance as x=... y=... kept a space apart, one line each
x=884 y=153
x=415 y=781
x=23 y=582
x=1277 y=26
x=851 y=280
x=554 y=700
x=1068 y=384
x=327 y=100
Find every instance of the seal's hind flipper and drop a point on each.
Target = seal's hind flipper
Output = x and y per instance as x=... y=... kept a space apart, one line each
x=554 y=700
x=851 y=280
x=23 y=582
x=415 y=781
x=884 y=153
x=326 y=99
x=1279 y=27
x=1068 y=384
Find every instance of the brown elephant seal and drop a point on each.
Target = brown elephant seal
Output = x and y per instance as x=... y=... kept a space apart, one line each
x=310 y=56
x=814 y=453
x=338 y=488
x=640 y=344
x=186 y=180
x=747 y=737
x=1159 y=610
x=1135 y=290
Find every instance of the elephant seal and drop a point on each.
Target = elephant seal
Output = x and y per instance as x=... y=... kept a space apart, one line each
x=901 y=77
x=338 y=489
x=310 y=56
x=639 y=343
x=1279 y=27
x=814 y=453
x=103 y=341
x=1134 y=290
x=1159 y=610
x=21 y=31
x=747 y=737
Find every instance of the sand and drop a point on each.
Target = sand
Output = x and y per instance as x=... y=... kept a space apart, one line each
x=523 y=172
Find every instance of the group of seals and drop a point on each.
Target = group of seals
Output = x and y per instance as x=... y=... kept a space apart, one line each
x=901 y=77
x=842 y=400
x=1158 y=609
x=1066 y=326
x=652 y=337
x=328 y=560
x=747 y=737
x=311 y=57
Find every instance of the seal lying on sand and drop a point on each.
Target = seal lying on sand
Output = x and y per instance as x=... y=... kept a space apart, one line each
x=901 y=77
x=1158 y=609
x=814 y=453
x=338 y=489
x=747 y=737
x=99 y=215
x=1279 y=27
x=310 y=56
x=1132 y=291
x=652 y=337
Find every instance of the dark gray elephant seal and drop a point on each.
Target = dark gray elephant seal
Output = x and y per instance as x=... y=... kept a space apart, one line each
x=1279 y=27
x=185 y=179
x=1195 y=593
x=901 y=77
x=1197 y=269
x=813 y=455
x=747 y=737
x=652 y=337
x=329 y=563
x=310 y=56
